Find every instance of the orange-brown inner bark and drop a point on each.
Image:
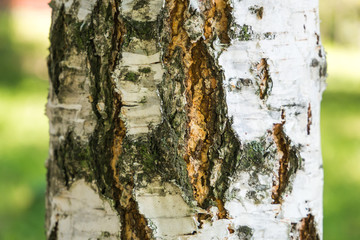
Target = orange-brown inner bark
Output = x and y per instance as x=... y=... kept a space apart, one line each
x=283 y=148
x=201 y=85
x=134 y=224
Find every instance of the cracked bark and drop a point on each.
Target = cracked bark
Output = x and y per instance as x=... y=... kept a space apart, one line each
x=164 y=121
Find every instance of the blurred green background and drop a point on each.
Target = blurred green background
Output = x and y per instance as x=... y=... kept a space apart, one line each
x=24 y=127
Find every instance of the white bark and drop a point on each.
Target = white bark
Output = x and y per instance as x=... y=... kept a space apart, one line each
x=140 y=98
x=296 y=84
x=80 y=213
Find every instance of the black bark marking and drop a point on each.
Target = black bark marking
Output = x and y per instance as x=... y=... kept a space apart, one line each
x=314 y=62
x=73 y=158
x=264 y=79
x=258 y=11
x=54 y=232
x=244 y=232
x=57 y=49
x=309 y=119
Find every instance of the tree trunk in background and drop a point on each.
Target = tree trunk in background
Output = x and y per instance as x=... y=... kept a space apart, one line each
x=185 y=120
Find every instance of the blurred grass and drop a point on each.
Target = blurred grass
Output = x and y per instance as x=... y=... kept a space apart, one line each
x=24 y=140
x=340 y=131
x=340 y=21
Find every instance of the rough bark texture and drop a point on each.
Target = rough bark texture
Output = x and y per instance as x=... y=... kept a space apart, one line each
x=184 y=119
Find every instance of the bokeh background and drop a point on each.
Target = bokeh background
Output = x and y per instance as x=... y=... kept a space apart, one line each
x=24 y=26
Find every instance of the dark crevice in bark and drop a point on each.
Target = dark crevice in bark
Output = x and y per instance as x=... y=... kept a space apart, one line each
x=98 y=159
x=72 y=157
x=265 y=82
x=283 y=147
x=95 y=63
x=201 y=218
x=118 y=33
x=99 y=82
x=230 y=148
x=201 y=85
x=57 y=49
x=208 y=130
x=107 y=140
x=171 y=147
x=309 y=119
x=140 y=30
x=289 y=162
x=305 y=229
x=134 y=224
x=218 y=20
x=140 y=4
x=308 y=229
x=54 y=232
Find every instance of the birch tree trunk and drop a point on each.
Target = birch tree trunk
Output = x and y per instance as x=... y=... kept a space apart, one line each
x=185 y=119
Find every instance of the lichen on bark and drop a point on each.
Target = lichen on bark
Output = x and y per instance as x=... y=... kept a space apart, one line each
x=153 y=115
x=208 y=132
x=96 y=159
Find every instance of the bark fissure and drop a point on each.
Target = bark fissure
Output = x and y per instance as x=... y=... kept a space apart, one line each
x=203 y=91
x=218 y=20
x=57 y=49
x=289 y=163
x=283 y=147
x=265 y=82
x=107 y=139
x=200 y=84
x=309 y=119
x=118 y=34
x=305 y=229
x=54 y=232
x=308 y=228
x=134 y=224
